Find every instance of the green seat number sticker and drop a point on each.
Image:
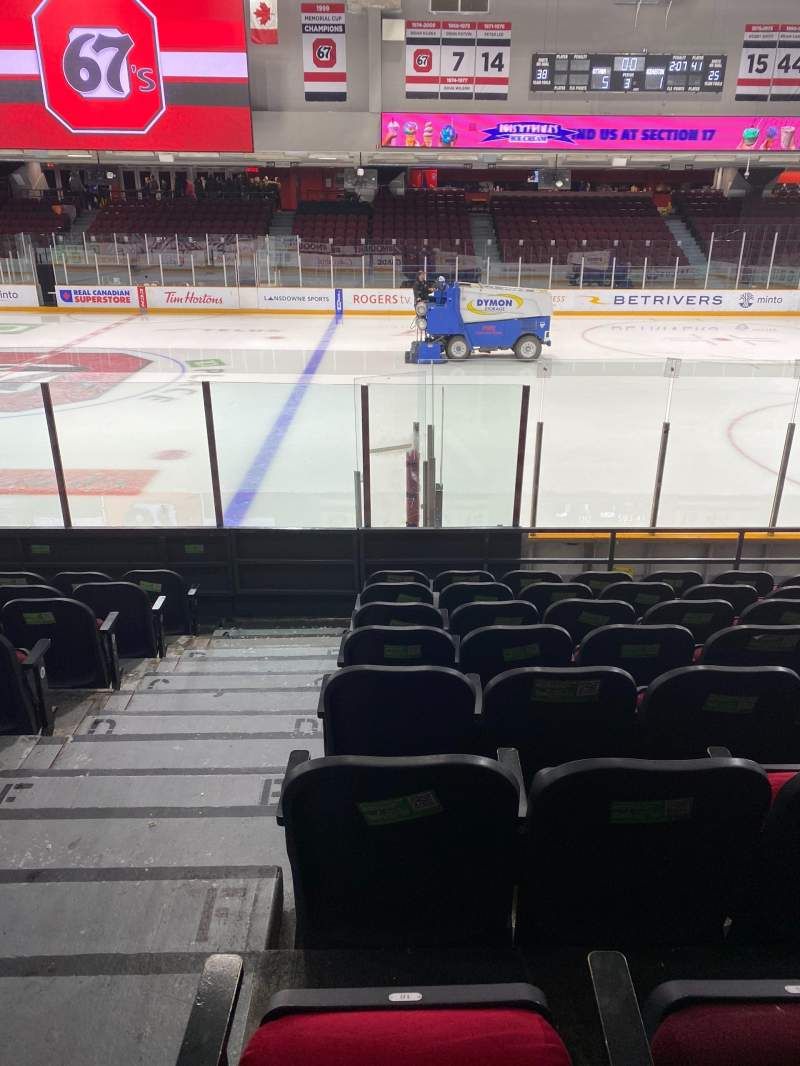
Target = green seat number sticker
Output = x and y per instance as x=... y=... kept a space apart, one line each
x=402 y=651
x=525 y=651
x=150 y=586
x=565 y=691
x=724 y=703
x=650 y=812
x=39 y=618
x=590 y=619
x=400 y=809
x=194 y=549
x=640 y=651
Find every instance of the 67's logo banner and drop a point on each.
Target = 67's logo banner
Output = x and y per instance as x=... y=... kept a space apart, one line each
x=324 y=54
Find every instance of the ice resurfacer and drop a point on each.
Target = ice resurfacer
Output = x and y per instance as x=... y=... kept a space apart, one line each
x=461 y=319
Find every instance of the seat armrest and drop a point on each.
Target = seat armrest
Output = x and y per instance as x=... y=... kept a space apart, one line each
x=623 y=1028
x=158 y=605
x=109 y=622
x=193 y=592
x=109 y=641
x=192 y=595
x=37 y=652
x=295 y=759
x=157 y=611
x=321 y=701
x=509 y=758
x=475 y=682
x=205 y=1039
x=718 y=753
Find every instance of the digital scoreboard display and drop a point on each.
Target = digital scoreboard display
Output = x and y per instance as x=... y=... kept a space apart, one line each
x=641 y=72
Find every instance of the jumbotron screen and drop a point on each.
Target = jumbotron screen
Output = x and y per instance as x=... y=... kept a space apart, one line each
x=124 y=74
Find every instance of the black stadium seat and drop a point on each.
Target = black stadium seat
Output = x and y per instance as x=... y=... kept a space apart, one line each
x=397 y=614
x=544 y=593
x=749 y=645
x=30 y=592
x=553 y=715
x=751 y=711
x=680 y=580
x=460 y=1025
x=640 y=851
x=701 y=619
x=68 y=580
x=580 y=617
x=471 y=616
x=395 y=592
x=517 y=580
x=180 y=610
x=399 y=710
x=401 y=852
x=398 y=646
x=785 y=592
x=25 y=705
x=394 y=576
x=139 y=631
x=762 y=581
x=597 y=580
x=641 y=595
x=643 y=651
x=771 y=612
x=738 y=596
x=20 y=577
x=452 y=577
x=461 y=592
x=495 y=649
x=81 y=655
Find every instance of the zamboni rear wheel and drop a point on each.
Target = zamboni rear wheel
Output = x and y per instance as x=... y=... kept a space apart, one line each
x=528 y=347
x=457 y=348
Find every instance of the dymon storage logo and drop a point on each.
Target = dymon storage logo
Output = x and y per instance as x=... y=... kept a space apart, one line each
x=491 y=305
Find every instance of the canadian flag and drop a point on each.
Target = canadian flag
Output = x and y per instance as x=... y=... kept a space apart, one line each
x=264 y=21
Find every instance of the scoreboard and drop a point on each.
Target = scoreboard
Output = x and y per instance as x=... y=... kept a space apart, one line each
x=631 y=72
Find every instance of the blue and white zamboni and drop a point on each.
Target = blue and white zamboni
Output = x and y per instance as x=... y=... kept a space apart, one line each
x=459 y=320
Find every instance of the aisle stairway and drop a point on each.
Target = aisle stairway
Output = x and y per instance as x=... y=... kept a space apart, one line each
x=684 y=237
x=484 y=238
x=141 y=838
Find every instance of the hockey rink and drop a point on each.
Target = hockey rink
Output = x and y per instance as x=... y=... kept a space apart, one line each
x=130 y=419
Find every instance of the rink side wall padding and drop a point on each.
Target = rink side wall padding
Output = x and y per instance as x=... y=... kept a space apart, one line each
x=354 y=302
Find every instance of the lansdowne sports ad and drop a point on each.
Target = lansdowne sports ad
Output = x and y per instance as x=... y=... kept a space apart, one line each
x=124 y=74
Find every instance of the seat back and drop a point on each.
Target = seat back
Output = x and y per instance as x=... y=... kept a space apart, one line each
x=401 y=852
x=398 y=614
x=666 y=844
x=771 y=907
x=794 y=581
x=383 y=577
x=785 y=592
x=761 y=580
x=496 y=649
x=68 y=580
x=772 y=612
x=455 y=595
x=30 y=592
x=580 y=617
x=17 y=711
x=554 y=715
x=680 y=580
x=502 y=613
x=396 y=592
x=643 y=651
x=738 y=596
x=517 y=580
x=750 y=710
x=135 y=631
x=641 y=595
x=399 y=710
x=597 y=580
x=544 y=593
x=398 y=646
x=75 y=658
x=748 y=645
x=20 y=577
x=701 y=619
x=177 y=609
x=452 y=577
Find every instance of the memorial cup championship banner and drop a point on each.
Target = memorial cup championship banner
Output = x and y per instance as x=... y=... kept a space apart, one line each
x=124 y=75
x=769 y=67
x=457 y=60
x=324 y=51
x=582 y=133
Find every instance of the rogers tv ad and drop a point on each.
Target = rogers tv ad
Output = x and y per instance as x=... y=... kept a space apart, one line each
x=124 y=75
